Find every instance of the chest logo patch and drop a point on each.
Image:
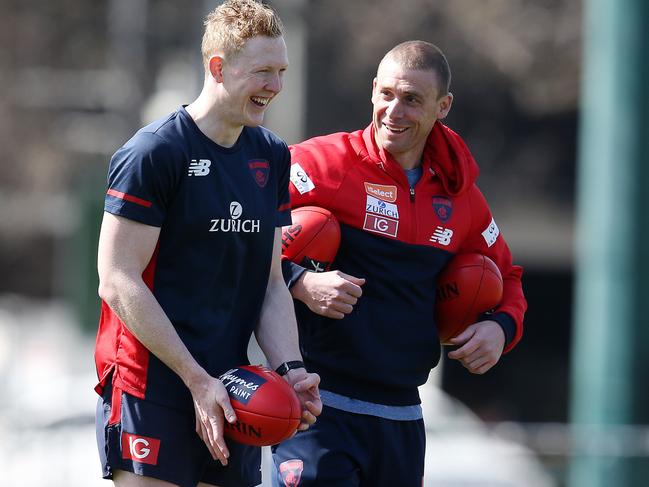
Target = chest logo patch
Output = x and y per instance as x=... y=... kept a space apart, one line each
x=382 y=192
x=199 y=167
x=259 y=168
x=380 y=224
x=443 y=207
x=301 y=179
x=380 y=207
x=442 y=236
x=235 y=224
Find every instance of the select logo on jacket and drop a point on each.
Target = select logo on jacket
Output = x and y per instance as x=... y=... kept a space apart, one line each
x=381 y=191
x=199 y=167
x=235 y=224
x=140 y=449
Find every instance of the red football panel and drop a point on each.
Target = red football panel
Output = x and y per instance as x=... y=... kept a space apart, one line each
x=491 y=291
x=324 y=245
x=259 y=430
x=478 y=283
x=275 y=398
x=319 y=236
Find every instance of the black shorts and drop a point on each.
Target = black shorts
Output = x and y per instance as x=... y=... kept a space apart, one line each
x=352 y=450
x=161 y=442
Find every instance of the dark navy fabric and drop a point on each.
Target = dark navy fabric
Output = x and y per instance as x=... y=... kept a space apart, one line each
x=180 y=457
x=217 y=209
x=393 y=319
x=335 y=452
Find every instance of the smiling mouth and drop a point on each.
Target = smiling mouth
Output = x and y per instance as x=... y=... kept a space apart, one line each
x=260 y=102
x=395 y=130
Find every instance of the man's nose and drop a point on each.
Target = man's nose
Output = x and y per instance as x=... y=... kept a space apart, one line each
x=275 y=83
x=394 y=109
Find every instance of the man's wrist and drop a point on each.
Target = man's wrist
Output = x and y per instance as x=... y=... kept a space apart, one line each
x=290 y=365
x=297 y=289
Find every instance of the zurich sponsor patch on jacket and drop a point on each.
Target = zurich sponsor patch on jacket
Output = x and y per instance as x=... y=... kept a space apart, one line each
x=380 y=207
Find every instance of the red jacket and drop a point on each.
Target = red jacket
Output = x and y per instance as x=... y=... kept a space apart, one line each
x=398 y=239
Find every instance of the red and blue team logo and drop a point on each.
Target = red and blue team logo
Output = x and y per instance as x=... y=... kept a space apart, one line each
x=443 y=207
x=291 y=472
x=259 y=168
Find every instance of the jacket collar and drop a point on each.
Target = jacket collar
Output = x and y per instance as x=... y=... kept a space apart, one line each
x=445 y=156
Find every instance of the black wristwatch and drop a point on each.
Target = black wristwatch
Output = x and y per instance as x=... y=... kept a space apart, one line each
x=286 y=366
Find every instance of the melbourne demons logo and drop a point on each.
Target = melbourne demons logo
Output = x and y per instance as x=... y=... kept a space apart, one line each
x=291 y=472
x=443 y=207
x=259 y=168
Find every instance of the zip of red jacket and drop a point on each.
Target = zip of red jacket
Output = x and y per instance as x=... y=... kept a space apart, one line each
x=398 y=239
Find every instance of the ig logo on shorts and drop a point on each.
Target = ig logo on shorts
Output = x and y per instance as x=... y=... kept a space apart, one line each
x=140 y=449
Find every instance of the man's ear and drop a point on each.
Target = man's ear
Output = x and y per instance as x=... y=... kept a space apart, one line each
x=444 y=106
x=373 y=88
x=216 y=68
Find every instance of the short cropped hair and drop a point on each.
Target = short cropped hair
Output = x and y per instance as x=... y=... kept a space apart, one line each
x=231 y=24
x=423 y=56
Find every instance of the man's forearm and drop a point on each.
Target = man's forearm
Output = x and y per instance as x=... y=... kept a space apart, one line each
x=135 y=305
x=276 y=331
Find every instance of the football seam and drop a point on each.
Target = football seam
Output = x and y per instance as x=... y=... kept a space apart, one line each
x=469 y=311
x=266 y=415
x=329 y=219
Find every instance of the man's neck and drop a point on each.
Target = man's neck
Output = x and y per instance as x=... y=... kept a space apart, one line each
x=409 y=160
x=209 y=120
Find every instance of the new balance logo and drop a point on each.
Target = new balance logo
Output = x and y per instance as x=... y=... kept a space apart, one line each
x=200 y=167
x=442 y=236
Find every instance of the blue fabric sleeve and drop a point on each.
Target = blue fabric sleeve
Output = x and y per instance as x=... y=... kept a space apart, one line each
x=283 y=197
x=142 y=177
x=291 y=272
x=506 y=322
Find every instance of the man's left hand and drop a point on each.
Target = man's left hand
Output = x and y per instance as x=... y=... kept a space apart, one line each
x=480 y=346
x=306 y=388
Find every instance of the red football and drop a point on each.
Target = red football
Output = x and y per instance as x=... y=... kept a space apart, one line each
x=267 y=408
x=313 y=239
x=469 y=285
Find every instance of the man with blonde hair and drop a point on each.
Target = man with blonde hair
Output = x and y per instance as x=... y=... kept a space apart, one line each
x=189 y=268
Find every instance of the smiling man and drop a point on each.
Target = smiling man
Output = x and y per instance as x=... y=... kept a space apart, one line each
x=404 y=193
x=189 y=267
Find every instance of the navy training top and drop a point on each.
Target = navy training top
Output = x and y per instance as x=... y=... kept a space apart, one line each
x=217 y=209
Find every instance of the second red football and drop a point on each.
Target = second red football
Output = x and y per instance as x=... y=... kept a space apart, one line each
x=312 y=240
x=469 y=285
